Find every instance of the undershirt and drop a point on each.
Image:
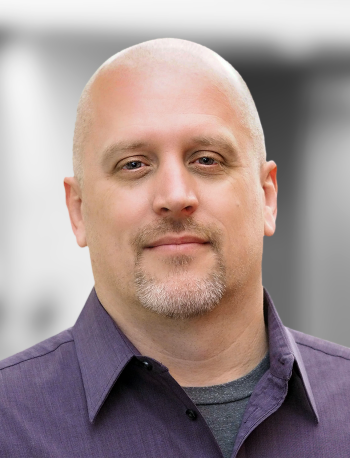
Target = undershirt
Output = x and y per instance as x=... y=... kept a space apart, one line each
x=223 y=406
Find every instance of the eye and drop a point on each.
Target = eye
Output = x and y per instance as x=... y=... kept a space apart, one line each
x=132 y=165
x=206 y=160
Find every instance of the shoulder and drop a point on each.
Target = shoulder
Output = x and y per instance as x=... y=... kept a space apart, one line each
x=39 y=387
x=30 y=377
x=40 y=356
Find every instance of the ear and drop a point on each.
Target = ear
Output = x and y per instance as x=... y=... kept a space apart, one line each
x=269 y=184
x=74 y=202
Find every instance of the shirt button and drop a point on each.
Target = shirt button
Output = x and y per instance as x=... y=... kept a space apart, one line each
x=147 y=365
x=191 y=414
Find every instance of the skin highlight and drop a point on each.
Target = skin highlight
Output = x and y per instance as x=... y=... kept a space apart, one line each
x=170 y=151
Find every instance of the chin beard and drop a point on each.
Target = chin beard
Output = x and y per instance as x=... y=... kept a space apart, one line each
x=181 y=295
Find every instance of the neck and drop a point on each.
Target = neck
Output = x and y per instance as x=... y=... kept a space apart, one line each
x=215 y=348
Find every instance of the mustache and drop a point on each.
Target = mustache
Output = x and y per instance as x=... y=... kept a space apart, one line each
x=151 y=232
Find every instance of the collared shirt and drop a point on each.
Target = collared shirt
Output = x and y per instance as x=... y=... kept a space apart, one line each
x=88 y=392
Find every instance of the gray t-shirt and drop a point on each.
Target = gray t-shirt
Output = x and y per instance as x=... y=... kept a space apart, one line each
x=223 y=406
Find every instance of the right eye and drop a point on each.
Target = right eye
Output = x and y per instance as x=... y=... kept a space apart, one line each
x=132 y=165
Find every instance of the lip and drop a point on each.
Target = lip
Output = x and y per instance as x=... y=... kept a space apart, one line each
x=179 y=240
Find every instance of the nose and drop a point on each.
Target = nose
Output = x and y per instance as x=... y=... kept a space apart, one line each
x=175 y=194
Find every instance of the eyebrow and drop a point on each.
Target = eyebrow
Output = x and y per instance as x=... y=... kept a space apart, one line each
x=217 y=141
x=112 y=150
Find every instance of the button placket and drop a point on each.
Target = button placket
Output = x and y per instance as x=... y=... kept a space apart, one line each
x=192 y=415
x=147 y=365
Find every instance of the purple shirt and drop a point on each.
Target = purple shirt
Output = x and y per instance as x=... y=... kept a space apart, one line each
x=87 y=392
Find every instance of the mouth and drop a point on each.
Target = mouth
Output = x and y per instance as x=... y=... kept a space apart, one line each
x=177 y=243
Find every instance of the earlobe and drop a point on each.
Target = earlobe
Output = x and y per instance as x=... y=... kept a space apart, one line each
x=270 y=193
x=74 y=202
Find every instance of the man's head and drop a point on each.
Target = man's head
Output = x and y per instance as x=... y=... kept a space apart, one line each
x=172 y=191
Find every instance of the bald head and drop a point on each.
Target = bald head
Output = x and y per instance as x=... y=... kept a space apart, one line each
x=175 y=58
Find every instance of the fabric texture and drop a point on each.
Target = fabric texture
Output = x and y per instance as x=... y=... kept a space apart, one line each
x=223 y=406
x=88 y=393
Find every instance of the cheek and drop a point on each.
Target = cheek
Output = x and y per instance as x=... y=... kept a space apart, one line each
x=112 y=215
x=242 y=217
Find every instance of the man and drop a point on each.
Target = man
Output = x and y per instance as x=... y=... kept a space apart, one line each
x=178 y=352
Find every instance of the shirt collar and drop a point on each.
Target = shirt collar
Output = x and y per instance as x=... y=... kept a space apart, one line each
x=284 y=352
x=103 y=352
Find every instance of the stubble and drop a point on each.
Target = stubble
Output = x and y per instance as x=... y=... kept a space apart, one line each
x=181 y=294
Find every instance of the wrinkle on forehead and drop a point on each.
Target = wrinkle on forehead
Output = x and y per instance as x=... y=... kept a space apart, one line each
x=173 y=58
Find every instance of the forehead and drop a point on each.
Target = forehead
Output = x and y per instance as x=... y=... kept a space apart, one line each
x=161 y=104
x=137 y=86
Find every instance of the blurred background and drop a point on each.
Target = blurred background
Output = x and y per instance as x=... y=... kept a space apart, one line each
x=295 y=58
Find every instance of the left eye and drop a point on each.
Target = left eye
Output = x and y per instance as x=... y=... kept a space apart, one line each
x=205 y=160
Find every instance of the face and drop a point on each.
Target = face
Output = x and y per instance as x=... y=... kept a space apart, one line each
x=174 y=206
